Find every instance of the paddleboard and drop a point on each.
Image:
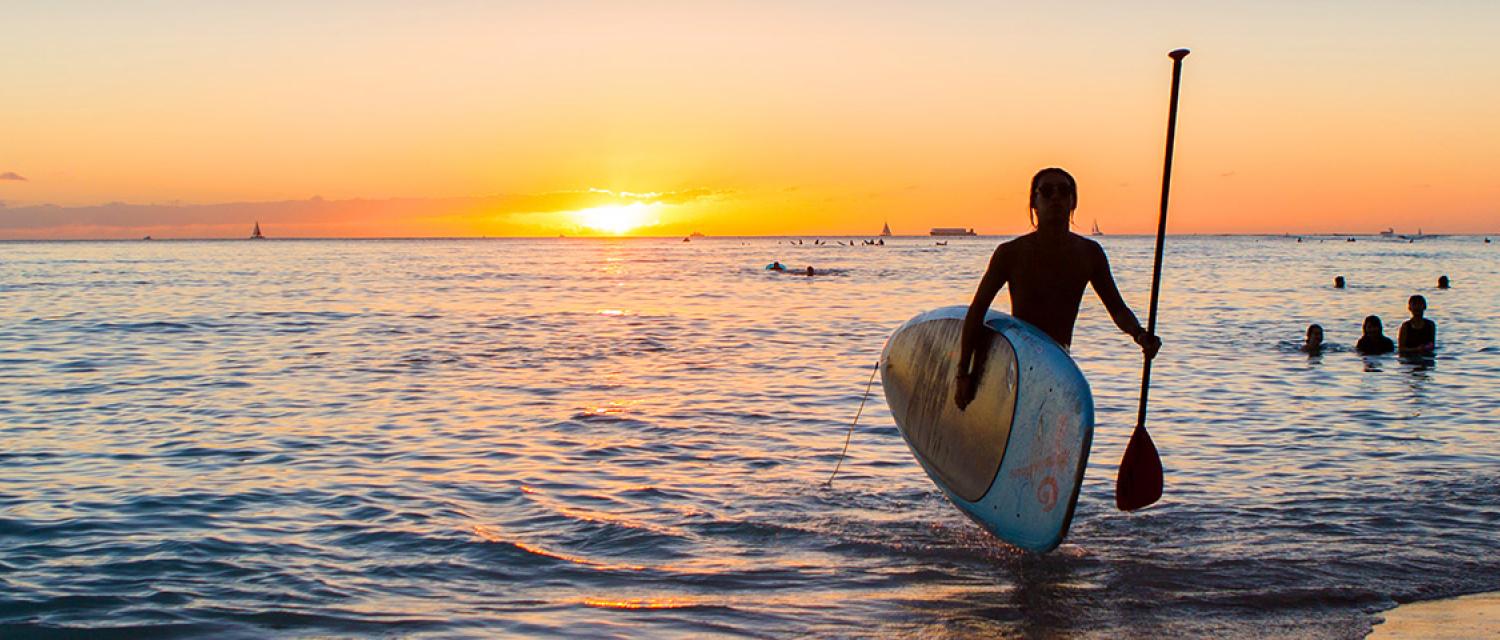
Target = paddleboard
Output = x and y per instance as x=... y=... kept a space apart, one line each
x=1013 y=460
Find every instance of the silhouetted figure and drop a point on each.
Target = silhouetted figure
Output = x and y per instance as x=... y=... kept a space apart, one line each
x=1374 y=342
x=1442 y=282
x=810 y=272
x=1338 y=282
x=1417 y=335
x=1314 y=344
x=1047 y=270
x=776 y=266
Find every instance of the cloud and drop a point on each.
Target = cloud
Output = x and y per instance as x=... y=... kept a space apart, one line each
x=11 y=175
x=502 y=214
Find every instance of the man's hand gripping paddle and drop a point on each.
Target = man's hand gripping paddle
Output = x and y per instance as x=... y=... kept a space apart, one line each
x=1140 y=480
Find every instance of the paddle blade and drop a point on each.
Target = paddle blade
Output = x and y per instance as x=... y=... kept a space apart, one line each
x=1139 y=482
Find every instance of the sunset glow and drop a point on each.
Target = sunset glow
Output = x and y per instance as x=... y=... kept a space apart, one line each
x=600 y=118
x=615 y=219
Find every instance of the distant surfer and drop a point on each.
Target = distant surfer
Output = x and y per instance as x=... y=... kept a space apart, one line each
x=1338 y=282
x=1314 y=344
x=1417 y=335
x=1047 y=270
x=1374 y=342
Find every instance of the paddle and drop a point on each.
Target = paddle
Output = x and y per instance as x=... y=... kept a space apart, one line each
x=1139 y=481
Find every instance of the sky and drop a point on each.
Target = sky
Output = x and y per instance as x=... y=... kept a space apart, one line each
x=356 y=119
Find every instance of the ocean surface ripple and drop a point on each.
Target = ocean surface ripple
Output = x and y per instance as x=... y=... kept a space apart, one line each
x=605 y=438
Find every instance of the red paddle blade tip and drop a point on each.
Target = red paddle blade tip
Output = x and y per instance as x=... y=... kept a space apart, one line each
x=1139 y=482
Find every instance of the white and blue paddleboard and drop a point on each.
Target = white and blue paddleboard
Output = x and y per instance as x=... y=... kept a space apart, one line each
x=1013 y=460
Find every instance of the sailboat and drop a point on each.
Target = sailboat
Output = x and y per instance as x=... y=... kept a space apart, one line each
x=256 y=234
x=1096 y=231
x=886 y=232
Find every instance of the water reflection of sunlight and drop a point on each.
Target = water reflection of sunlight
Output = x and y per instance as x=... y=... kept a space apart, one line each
x=615 y=407
x=641 y=603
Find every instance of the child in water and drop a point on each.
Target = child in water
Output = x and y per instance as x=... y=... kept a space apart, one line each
x=1314 y=344
x=1418 y=335
x=1374 y=342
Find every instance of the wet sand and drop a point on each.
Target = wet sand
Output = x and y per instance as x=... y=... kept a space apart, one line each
x=1475 y=616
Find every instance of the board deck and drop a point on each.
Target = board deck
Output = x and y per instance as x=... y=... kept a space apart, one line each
x=1013 y=460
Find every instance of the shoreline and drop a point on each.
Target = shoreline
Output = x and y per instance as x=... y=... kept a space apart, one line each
x=1471 y=616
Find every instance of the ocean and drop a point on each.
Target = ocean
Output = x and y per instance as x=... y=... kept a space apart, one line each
x=631 y=438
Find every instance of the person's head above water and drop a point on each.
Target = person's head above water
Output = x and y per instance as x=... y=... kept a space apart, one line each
x=1314 y=336
x=1338 y=282
x=1054 y=196
x=1417 y=305
x=1373 y=327
x=1442 y=282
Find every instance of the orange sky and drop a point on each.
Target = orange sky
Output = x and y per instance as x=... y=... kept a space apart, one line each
x=741 y=117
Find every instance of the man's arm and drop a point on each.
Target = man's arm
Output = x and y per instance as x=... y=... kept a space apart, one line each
x=1103 y=282
x=971 y=340
x=1402 y=343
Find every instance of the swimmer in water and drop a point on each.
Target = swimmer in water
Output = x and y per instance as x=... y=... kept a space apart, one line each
x=810 y=271
x=776 y=266
x=1417 y=335
x=1338 y=282
x=1374 y=342
x=1442 y=282
x=1314 y=344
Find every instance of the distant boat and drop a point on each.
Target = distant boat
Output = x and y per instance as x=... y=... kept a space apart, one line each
x=951 y=231
x=146 y=238
x=1418 y=236
x=885 y=232
x=256 y=234
x=695 y=234
x=687 y=239
x=1389 y=232
x=1096 y=231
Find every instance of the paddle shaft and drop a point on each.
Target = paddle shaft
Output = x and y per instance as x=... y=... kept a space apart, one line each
x=1161 y=227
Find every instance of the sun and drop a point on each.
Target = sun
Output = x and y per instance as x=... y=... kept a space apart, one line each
x=617 y=219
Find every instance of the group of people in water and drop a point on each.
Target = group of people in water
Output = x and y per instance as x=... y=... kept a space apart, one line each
x=879 y=242
x=1418 y=335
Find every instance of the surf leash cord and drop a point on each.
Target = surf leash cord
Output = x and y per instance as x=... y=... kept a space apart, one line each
x=850 y=435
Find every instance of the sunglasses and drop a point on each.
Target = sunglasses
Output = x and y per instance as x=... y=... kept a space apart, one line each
x=1060 y=189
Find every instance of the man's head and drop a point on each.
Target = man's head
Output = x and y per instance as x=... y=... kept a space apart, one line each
x=1417 y=305
x=1054 y=196
x=1373 y=326
x=1338 y=282
x=1442 y=282
x=1314 y=335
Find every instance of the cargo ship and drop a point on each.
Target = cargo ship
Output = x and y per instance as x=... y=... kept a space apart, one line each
x=952 y=231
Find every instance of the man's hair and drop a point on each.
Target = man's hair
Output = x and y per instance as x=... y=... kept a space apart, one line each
x=1036 y=181
x=1375 y=318
x=1417 y=298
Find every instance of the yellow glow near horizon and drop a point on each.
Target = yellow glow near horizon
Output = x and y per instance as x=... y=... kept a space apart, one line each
x=617 y=219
